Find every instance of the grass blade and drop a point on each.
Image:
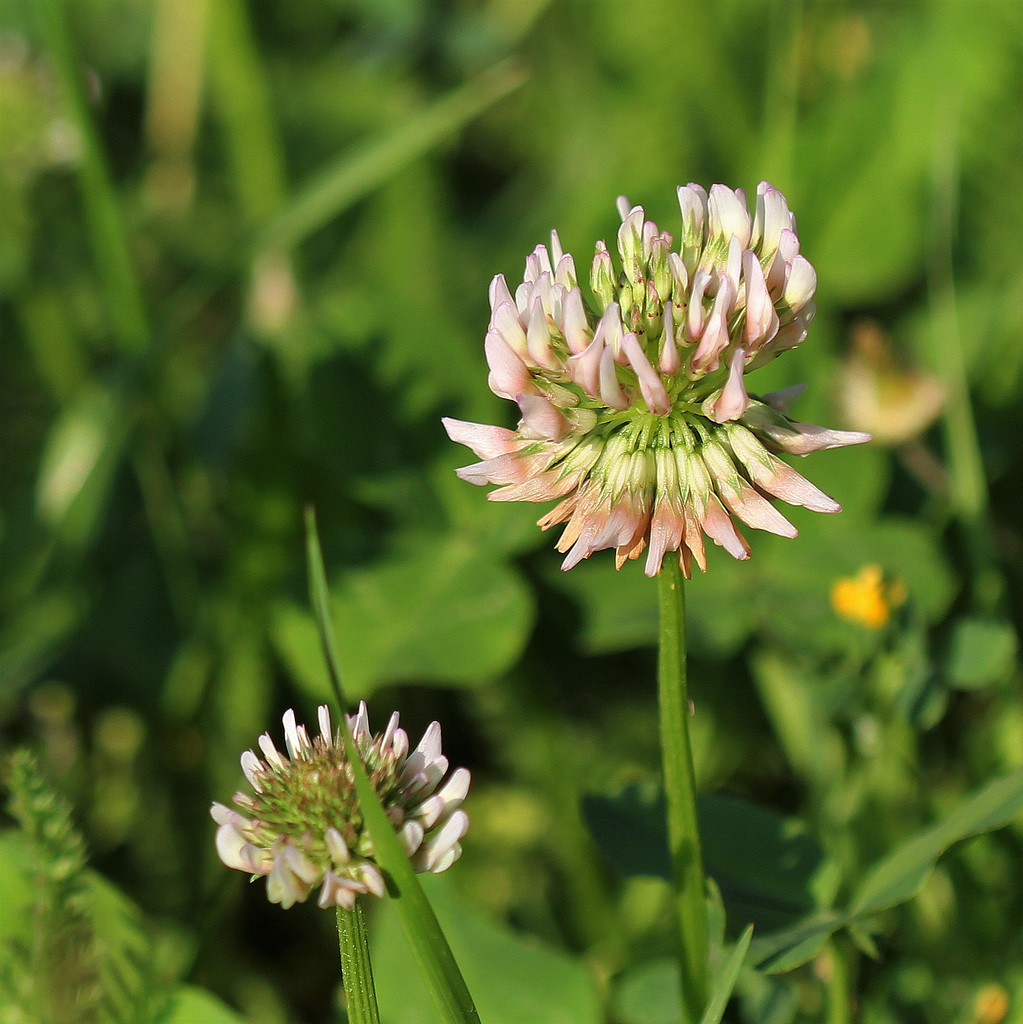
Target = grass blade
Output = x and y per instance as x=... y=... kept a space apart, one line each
x=430 y=948
x=123 y=294
x=725 y=982
x=355 y=175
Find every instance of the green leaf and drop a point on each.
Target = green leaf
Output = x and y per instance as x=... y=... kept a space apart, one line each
x=77 y=468
x=648 y=993
x=765 y=865
x=903 y=871
x=792 y=947
x=33 y=633
x=981 y=652
x=446 y=613
x=430 y=948
x=191 y=1005
x=515 y=979
x=724 y=983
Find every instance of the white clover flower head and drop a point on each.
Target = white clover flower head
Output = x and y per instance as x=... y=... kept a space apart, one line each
x=302 y=827
x=634 y=411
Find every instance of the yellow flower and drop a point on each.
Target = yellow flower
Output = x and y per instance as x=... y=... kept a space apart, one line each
x=866 y=598
x=990 y=1005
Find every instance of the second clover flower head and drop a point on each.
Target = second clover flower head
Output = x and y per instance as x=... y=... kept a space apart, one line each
x=634 y=411
x=302 y=828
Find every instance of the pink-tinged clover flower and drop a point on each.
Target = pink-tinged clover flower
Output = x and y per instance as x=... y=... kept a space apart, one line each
x=302 y=827
x=634 y=411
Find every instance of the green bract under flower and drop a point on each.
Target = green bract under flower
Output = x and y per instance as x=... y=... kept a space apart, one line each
x=302 y=826
x=635 y=411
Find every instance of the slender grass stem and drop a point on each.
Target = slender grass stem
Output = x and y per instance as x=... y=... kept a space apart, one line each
x=968 y=493
x=430 y=948
x=356 y=969
x=241 y=94
x=114 y=266
x=680 y=790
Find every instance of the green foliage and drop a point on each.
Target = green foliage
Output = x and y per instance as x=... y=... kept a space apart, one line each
x=243 y=267
x=74 y=949
x=514 y=980
x=764 y=865
x=446 y=612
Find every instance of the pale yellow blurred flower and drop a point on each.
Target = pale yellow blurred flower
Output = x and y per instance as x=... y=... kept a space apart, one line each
x=878 y=394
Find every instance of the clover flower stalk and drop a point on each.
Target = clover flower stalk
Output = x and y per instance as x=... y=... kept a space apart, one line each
x=301 y=826
x=635 y=416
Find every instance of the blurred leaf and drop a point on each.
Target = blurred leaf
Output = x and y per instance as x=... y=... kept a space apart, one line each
x=619 y=607
x=981 y=652
x=649 y=993
x=191 y=1005
x=77 y=468
x=514 y=979
x=903 y=871
x=242 y=689
x=446 y=613
x=32 y=635
x=508 y=527
x=763 y=864
x=792 y=947
x=797 y=719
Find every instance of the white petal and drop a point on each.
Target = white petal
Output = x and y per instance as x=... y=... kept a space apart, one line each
x=440 y=843
x=373 y=880
x=430 y=744
x=650 y=383
x=483 y=439
x=800 y=284
x=229 y=842
x=359 y=722
x=727 y=215
x=576 y=329
x=542 y=418
x=508 y=374
x=253 y=769
x=270 y=752
x=505 y=322
x=337 y=847
x=610 y=390
x=447 y=860
x=411 y=836
x=291 y=737
x=388 y=737
x=733 y=400
x=499 y=292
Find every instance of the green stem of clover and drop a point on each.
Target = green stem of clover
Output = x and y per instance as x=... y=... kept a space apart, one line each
x=356 y=970
x=680 y=790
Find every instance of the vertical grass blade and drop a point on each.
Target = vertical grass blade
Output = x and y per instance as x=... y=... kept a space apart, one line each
x=430 y=948
x=725 y=984
x=352 y=176
x=121 y=288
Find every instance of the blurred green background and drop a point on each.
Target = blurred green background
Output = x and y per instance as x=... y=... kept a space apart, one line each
x=244 y=256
